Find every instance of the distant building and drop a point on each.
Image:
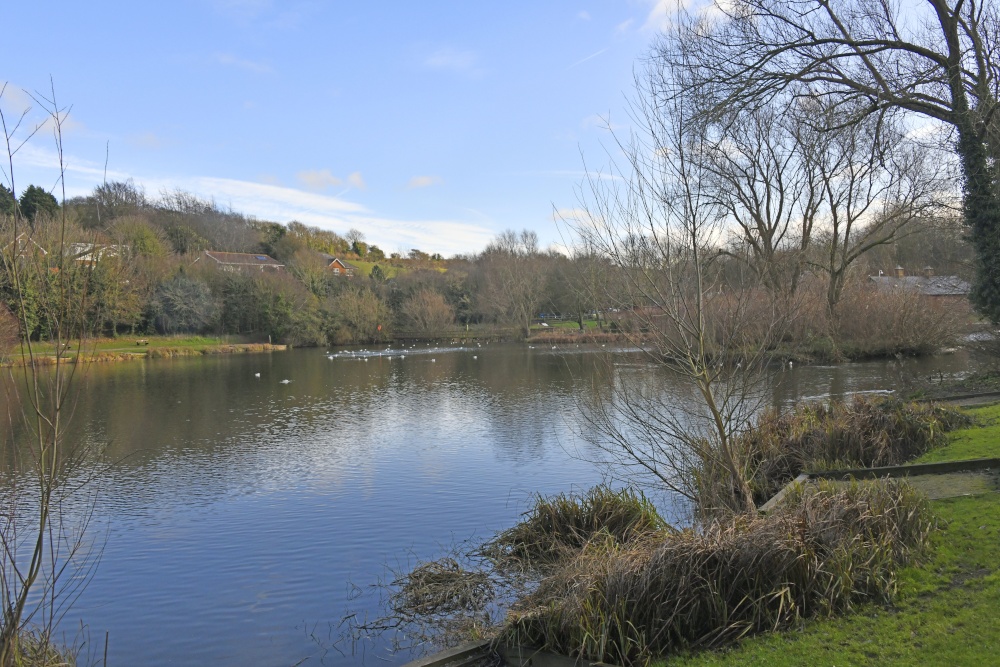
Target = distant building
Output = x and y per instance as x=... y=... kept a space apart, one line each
x=341 y=268
x=928 y=284
x=21 y=247
x=240 y=261
x=90 y=253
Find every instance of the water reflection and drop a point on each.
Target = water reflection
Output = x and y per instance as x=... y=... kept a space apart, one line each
x=239 y=507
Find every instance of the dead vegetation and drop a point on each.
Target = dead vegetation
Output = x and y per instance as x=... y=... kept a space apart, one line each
x=862 y=432
x=826 y=550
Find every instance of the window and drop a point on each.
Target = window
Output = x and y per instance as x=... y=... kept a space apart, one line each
x=336 y=271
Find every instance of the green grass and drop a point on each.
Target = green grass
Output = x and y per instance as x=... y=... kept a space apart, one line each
x=946 y=612
x=124 y=344
x=566 y=324
x=365 y=268
x=982 y=441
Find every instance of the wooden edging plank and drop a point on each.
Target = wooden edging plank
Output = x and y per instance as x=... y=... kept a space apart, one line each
x=454 y=657
x=966 y=465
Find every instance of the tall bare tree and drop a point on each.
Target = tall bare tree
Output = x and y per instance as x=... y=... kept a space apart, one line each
x=38 y=542
x=936 y=59
x=513 y=274
x=659 y=226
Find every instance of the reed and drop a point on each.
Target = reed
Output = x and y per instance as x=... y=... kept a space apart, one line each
x=557 y=527
x=861 y=432
x=826 y=550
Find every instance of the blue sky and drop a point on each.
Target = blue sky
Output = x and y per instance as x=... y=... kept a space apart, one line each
x=431 y=125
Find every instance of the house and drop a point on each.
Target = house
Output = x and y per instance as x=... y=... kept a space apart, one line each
x=928 y=285
x=240 y=261
x=23 y=246
x=90 y=253
x=341 y=268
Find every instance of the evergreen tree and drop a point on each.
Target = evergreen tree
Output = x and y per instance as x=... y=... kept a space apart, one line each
x=35 y=200
x=7 y=201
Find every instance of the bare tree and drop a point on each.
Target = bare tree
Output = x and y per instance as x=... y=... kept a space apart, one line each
x=759 y=174
x=514 y=278
x=871 y=182
x=39 y=542
x=936 y=59
x=660 y=229
x=426 y=310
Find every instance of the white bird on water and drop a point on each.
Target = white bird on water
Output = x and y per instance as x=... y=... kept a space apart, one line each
x=256 y=375
x=285 y=381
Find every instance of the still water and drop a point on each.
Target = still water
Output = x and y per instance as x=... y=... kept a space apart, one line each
x=243 y=516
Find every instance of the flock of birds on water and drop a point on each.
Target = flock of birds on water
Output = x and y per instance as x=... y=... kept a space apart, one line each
x=389 y=353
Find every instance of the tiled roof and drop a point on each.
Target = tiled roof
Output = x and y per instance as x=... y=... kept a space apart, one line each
x=928 y=286
x=242 y=259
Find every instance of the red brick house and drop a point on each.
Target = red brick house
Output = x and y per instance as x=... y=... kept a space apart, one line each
x=341 y=268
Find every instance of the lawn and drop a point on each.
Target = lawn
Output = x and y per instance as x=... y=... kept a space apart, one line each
x=365 y=268
x=138 y=344
x=566 y=324
x=948 y=608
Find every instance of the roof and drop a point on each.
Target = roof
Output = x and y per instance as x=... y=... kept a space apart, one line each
x=346 y=265
x=928 y=286
x=242 y=259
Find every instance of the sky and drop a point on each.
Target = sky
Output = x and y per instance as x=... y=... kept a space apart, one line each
x=430 y=125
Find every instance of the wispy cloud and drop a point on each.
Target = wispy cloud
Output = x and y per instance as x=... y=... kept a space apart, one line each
x=146 y=140
x=423 y=182
x=318 y=179
x=624 y=26
x=453 y=60
x=275 y=202
x=583 y=15
x=230 y=60
x=658 y=18
x=357 y=181
x=583 y=60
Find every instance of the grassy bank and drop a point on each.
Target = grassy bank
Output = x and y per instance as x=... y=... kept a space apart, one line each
x=945 y=609
x=133 y=348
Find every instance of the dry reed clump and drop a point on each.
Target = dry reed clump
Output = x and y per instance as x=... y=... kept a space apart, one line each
x=559 y=526
x=462 y=596
x=826 y=550
x=861 y=432
x=441 y=587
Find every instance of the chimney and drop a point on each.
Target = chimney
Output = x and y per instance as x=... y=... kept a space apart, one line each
x=928 y=271
x=900 y=271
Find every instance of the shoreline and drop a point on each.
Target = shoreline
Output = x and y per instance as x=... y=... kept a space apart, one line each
x=147 y=352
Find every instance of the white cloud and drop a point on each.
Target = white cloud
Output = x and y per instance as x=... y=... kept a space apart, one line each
x=230 y=60
x=269 y=201
x=146 y=140
x=329 y=212
x=623 y=26
x=316 y=179
x=463 y=62
x=423 y=182
x=583 y=15
x=659 y=16
x=357 y=181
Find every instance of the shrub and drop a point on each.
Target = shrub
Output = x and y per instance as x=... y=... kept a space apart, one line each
x=862 y=432
x=558 y=526
x=826 y=550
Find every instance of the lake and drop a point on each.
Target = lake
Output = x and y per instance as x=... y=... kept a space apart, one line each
x=243 y=516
